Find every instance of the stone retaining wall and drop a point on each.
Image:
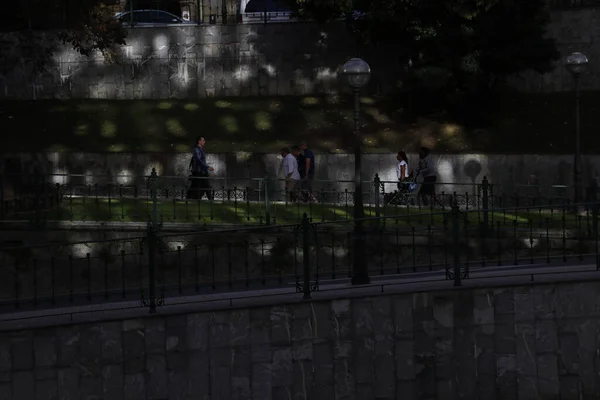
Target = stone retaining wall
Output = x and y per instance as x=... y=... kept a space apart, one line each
x=522 y=343
x=243 y=59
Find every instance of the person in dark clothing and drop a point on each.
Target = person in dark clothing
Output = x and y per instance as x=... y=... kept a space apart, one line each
x=200 y=185
x=306 y=166
x=427 y=171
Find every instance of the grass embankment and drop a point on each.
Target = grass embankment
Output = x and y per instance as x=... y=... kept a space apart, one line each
x=526 y=124
x=251 y=213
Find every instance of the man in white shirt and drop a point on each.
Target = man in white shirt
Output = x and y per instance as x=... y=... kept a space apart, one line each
x=290 y=172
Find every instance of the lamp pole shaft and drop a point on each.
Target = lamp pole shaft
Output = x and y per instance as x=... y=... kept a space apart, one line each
x=361 y=273
x=577 y=158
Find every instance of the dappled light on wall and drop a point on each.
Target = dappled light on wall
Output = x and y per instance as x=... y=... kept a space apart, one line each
x=262 y=121
x=109 y=129
x=175 y=128
x=157 y=166
x=270 y=70
x=160 y=42
x=323 y=73
x=229 y=123
x=60 y=176
x=218 y=163
x=88 y=177
x=445 y=172
x=82 y=130
x=242 y=156
x=242 y=73
x=80 y=250
x=125 y=177
x=174 y=245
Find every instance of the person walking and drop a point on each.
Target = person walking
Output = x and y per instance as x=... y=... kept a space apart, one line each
x=401 y=169
x=200 y=184
x=306 y=164
x=290 y=172
x=427 y=171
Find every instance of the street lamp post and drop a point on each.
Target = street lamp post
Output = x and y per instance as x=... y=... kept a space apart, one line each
x=358 y=73
x=576 y=64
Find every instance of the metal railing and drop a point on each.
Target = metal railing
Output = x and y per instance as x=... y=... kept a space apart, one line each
x=157 y=266
x=126 y=198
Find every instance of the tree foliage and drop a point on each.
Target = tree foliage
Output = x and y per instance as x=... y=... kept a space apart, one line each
x=452 y=47
x=36 y=26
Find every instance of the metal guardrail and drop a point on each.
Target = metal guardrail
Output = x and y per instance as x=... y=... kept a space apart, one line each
x=62 y=197
x=157 y=266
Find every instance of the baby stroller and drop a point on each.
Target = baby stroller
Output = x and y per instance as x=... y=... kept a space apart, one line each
x=407 y=192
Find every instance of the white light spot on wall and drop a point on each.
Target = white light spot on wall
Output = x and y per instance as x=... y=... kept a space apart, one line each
x=89 y=177
x=183 y=72
x=160 y=42
x=59 y=176
x=325 y=73
x=445 y=172
x=242 y=73
x=174 y=244
x=270 y=70
x=217 y=161
x=530 y=243
x=338 y=251
x=125 y=177
x=80 y=250
x=156 y=165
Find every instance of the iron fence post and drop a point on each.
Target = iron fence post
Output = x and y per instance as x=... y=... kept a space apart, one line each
x=267 y=201
x=455 y=242
x=376 y=190
x=485 y=188
x=37 y=195
x=2 y=205
x=151 y=269
x=593 y=198
x=153 y=227
x=154 y=196
x=306 y=255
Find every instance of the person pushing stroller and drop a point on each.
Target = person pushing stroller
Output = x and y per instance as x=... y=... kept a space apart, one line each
x=402 y=169
x=406 y=182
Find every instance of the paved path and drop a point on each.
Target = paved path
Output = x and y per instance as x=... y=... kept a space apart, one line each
x=328 y=289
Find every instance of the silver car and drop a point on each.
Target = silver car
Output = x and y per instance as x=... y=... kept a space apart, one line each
x=150 y=18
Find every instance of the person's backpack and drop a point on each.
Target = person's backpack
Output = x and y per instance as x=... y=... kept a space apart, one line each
x=191 y=166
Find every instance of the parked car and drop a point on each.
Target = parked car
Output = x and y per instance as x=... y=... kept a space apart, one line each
x=261 y=11
x=150 y=18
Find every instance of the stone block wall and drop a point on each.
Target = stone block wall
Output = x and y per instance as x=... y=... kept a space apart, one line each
x=191 y=62
x=523 y=343
x=249 y=60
